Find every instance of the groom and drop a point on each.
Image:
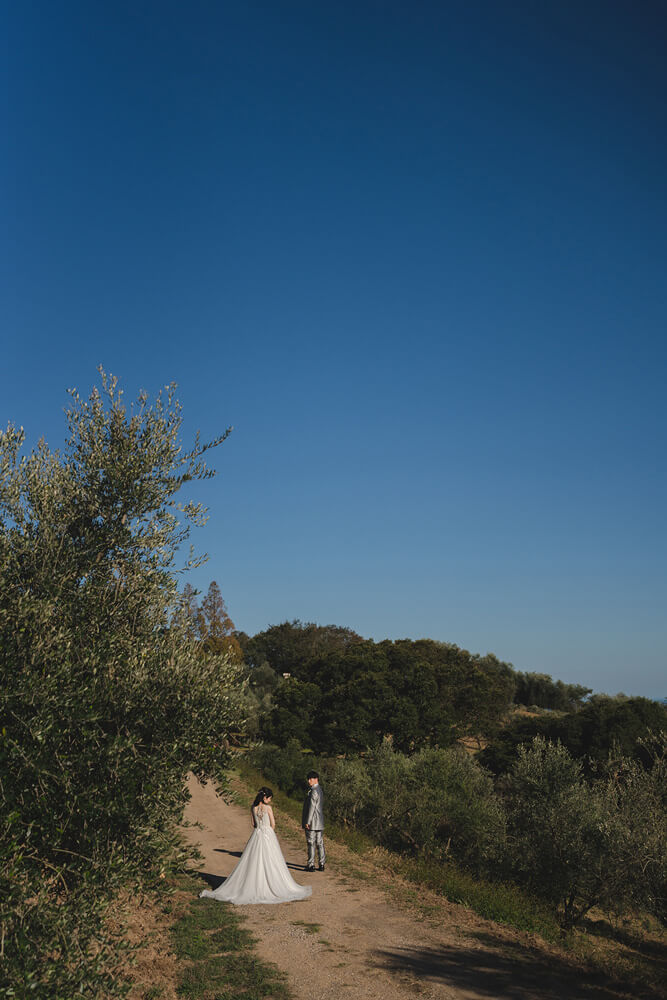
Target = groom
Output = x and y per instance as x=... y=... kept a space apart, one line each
x=312 y=821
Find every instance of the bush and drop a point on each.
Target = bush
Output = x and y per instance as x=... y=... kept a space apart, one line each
x=581 y=843
x=105 y=701
x=436 y=802
x=572 y=841
x=636 y=795
x=287 y=766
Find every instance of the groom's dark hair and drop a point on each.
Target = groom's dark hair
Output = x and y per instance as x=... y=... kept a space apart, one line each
x=312 y=774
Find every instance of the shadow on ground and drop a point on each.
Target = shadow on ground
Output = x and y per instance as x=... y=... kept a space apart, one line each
x=505 y=970
x=628 y=937
x=212 y=881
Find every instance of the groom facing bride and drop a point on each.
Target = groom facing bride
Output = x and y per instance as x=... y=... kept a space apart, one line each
x=312 y=821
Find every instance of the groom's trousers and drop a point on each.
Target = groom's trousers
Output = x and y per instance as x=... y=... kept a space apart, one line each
x=315 y=841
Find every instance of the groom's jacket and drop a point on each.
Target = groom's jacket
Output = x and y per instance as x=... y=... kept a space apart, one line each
x=313 y=809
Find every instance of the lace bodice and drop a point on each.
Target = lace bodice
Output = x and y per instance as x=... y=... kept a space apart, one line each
x=262 y=819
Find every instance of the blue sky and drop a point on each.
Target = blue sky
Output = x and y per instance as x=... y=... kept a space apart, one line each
x=414 y=253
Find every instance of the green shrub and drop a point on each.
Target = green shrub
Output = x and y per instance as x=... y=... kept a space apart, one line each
x=287 y=767
x=435 y=802
x=581 y=843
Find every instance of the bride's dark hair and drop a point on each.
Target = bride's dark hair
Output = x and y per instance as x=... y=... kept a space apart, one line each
x=263 y=793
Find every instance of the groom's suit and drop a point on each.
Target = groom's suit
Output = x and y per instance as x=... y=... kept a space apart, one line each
x=313 y=818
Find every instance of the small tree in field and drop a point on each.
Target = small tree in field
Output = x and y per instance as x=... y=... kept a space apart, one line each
x=584 y=843
x=104 y=700
x=556 y=828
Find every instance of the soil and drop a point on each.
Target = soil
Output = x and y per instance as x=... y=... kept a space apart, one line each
x=367 y=935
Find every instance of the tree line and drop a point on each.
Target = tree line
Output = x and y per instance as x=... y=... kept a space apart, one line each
x=336 y=692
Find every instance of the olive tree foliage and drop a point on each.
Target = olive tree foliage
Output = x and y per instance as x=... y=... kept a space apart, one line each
x=437 y=802
x=636 y=794
x=582 y=843
x=105 y=702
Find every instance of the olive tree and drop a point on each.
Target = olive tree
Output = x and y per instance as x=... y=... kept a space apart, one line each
x=582 y=843
x=105 y=702
x=437 y=802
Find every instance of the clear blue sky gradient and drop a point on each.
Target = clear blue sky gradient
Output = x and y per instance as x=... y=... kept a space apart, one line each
x=414 y=253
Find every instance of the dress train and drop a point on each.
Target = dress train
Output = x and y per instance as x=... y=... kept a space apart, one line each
x=261 y=875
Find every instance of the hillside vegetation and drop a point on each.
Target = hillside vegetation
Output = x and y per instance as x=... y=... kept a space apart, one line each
x=568 y=804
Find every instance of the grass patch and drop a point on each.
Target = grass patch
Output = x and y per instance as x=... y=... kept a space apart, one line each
x=220 y=956
x=497 y=901
x=309 y=928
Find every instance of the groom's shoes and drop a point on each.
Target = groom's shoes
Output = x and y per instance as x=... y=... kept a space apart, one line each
x=310 y=868
x=320 y=868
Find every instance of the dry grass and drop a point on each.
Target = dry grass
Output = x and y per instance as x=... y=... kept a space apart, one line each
x=152 y=968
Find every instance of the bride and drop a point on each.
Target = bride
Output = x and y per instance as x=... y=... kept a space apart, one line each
x=261 y=875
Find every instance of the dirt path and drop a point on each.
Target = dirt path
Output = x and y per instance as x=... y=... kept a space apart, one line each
x=361 y=937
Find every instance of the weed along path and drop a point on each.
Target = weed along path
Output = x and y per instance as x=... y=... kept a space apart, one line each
x=367 y=935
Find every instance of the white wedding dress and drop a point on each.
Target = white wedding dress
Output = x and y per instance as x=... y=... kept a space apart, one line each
x=261 y=875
